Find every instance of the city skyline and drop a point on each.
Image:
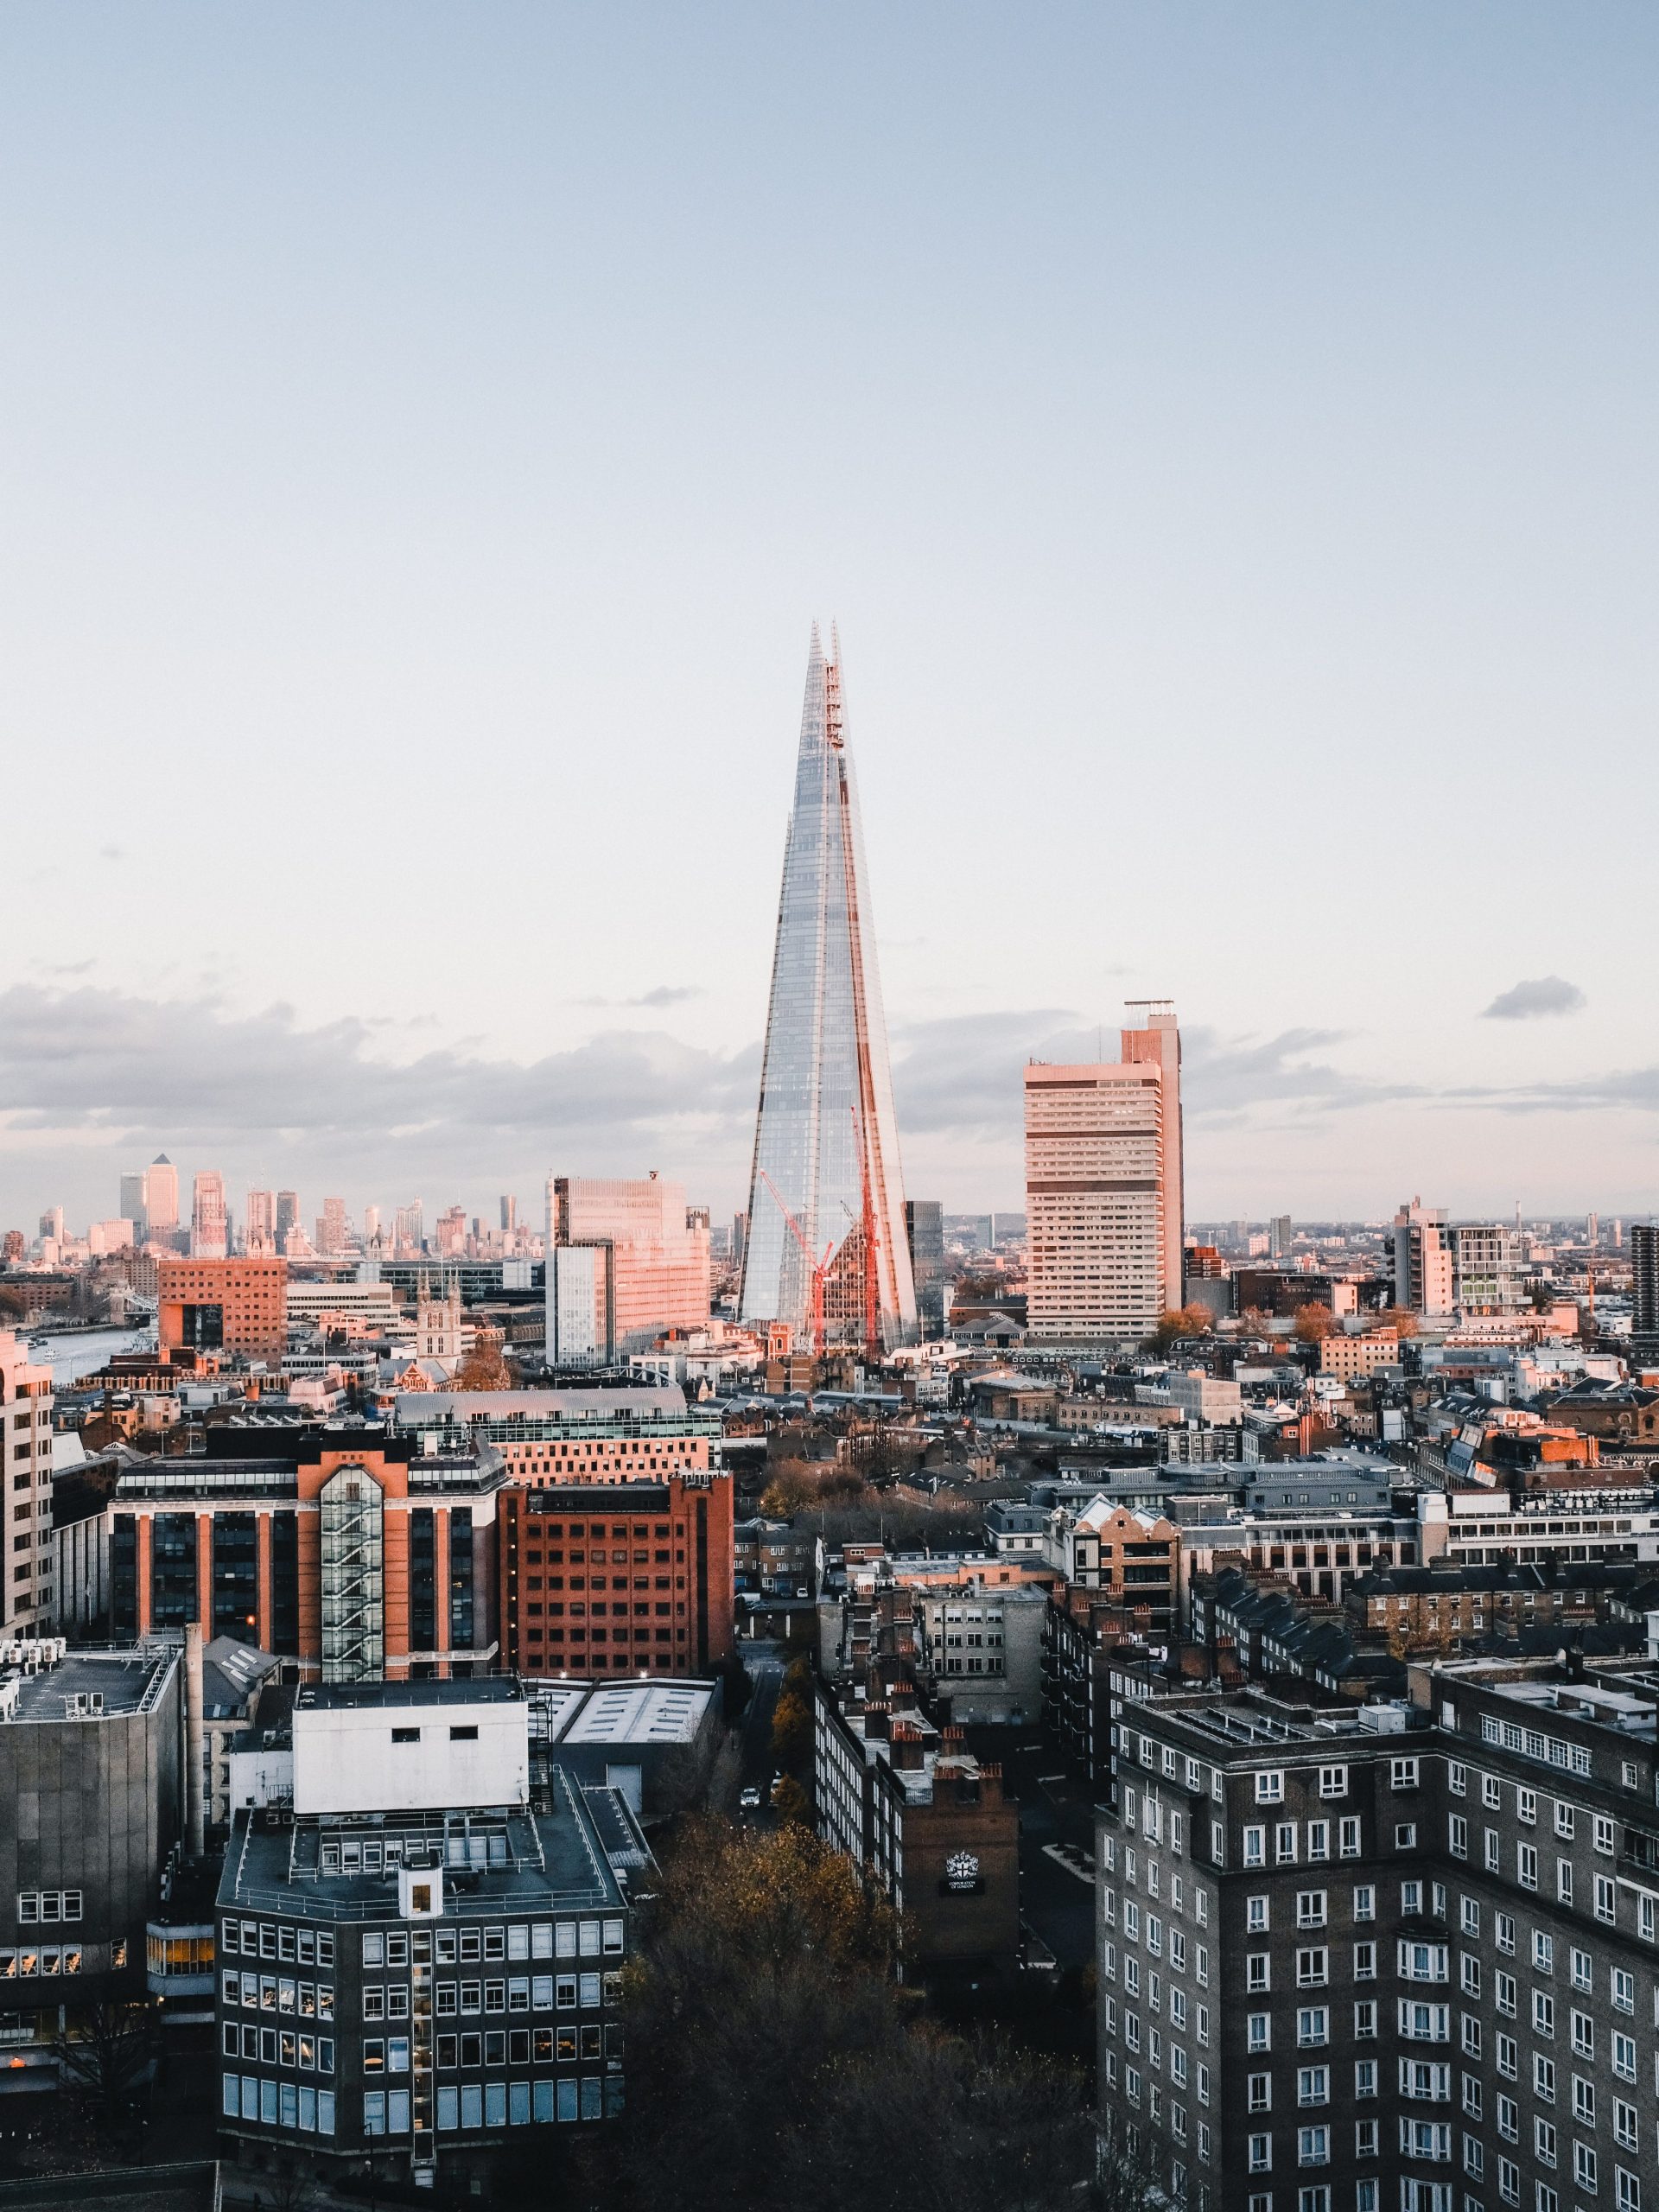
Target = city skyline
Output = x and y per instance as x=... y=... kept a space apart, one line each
x=1171 y=488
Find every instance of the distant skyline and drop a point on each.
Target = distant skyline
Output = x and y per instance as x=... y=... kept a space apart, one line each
x=1225 y=437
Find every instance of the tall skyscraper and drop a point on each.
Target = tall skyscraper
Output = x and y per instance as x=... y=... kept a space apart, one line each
x=259 y=1222
x=331 y=1224
x=509 y=1215
x=1103 y=1189
x=161 y=1196
x=288 y=1216
x=209 y=1225
x=624 y=1260
x=1645 y=1289
x=1424 y=1259
x=925 y=1228
x=133 y=1207
x=826 y=1250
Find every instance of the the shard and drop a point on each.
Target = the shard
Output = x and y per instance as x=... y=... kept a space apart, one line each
x=826 y=1251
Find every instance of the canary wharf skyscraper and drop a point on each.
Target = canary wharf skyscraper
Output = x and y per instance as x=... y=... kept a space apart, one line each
x=826 y=1250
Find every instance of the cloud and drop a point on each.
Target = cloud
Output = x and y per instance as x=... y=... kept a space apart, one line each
x=668 y=995
x=664 y=994
x=112 y=852
x=87 y=1060
x=1547 y=995
x=962 y=1075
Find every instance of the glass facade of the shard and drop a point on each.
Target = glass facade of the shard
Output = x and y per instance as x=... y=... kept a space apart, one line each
x=826 y=1249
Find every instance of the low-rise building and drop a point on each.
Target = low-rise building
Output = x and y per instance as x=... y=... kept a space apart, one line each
x=926 y=1819
x=418 y=1960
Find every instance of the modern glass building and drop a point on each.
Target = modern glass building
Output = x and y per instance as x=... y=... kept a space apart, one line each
x=826 y=1250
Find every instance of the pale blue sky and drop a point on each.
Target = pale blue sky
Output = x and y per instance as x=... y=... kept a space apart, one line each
x=1225 y=435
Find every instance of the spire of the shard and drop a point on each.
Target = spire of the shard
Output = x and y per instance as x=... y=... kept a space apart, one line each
x=826 y=1250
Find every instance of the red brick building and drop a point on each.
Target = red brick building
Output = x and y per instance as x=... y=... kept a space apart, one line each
x=615 y=1578
x=233 y=1306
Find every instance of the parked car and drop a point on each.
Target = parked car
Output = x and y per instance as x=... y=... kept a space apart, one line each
x=750 y=1799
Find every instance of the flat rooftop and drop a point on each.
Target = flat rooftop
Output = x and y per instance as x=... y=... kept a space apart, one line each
x=647 y=1402
x=338 y=1697
x=127 y=1682
x=494 y=1861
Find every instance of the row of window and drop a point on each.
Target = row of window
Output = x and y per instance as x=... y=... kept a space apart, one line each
x=272 y=1992
x=31 y=1960
x=47 y=1905
x=531 y=2046
x=290 y=2047
x=563 y=1939
x=542 y=1992
x=1603 y=1828
x=280 y=1940
x=279 y=2104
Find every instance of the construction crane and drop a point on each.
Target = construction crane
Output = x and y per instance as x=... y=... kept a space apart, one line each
x=816 y=1270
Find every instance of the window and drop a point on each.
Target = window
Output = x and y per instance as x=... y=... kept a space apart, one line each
x=1402 y=1774
x=1627 y=2191
x=1364 y=1902
x=1603 y=1906
x=1312 y=2026
x=1623 y=1989
x=1543 y=2077
x=1604 y=1835
x=1260 y=2097
x=1310 y=1908
x=1364 y=2077
x=1349 y=1839
x=1584 y=2034
x=1270 y=1786
x=1258 y=1971
x=1544 y=2141
x=1405 y=1835
x=1526 y=1865
x=1543 y=1952
x=1333 y=1782
x=1364 y=2019
x=1259 y=2031
x=1313 y=2085
x=1313 y=2147
x=1457 y=1836
x=1624 y=2056
x=1261 y=2154
x=1312 y=1969
x=1365 y=1963
x=1625 y=2126
x=1255 y=1915
x=1284 y=1846
x=1544 y=2013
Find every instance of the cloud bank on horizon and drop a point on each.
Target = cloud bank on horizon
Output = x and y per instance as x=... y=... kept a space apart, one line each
x=93 y=1080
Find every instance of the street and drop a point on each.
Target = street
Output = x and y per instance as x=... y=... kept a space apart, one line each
x=1056 y=1906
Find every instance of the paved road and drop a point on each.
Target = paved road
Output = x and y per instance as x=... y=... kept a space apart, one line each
x=766 y=1671
x=1055 y=1904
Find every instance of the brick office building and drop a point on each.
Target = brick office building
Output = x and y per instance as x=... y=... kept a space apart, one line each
x=342 y=1548
x=561 y=1436
x=928 y=1822
x=1403 y=1956
x=233 y=1306
x=616 y=1576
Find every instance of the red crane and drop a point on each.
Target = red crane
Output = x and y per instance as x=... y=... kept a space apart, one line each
x=816 y=1270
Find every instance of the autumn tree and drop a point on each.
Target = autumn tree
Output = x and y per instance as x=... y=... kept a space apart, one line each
x=1178 y=1321
x=792 y=1729
x=1313 y=1324
x=1256 y=1321
x=483 y=1368
x=1400 y=1319
x=772 y=2062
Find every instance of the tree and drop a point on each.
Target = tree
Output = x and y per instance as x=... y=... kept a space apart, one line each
x=484 y=1369
x=1313 y=1324
x=791 y=1802
x=108 y=2057
x=1256 y=1321
x=792 y=1729
x=1400 y=1319
x=771 y=2061
x=1178 y=1321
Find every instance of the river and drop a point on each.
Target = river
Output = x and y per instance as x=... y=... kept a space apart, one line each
x=77 y=1351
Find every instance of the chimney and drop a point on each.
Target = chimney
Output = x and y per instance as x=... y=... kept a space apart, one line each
x=908 y=1748
x=195 y=1812
x=877 y=1720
